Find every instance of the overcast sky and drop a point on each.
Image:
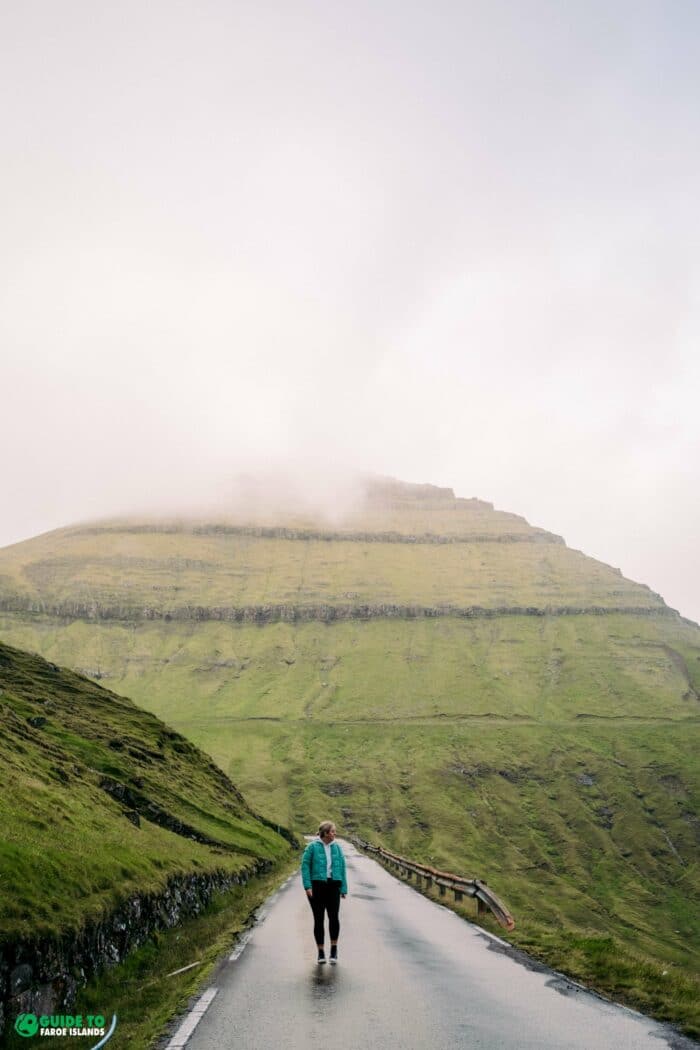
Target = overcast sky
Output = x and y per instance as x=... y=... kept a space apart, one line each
x=449 y=242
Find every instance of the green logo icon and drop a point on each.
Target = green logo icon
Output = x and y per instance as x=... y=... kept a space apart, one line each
x=27 y=1024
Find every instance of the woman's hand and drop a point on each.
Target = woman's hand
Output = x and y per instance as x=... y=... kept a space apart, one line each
x=343 y=895
x=309 y=894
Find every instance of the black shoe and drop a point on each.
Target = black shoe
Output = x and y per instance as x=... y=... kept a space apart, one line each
x=334 y=954
x=321 y=957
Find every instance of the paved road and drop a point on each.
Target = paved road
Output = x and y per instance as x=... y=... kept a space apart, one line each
x=411 y=976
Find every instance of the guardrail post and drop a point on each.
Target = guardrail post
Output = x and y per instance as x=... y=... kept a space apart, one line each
x=458 y=895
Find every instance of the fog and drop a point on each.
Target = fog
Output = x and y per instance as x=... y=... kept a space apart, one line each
x=455 y=243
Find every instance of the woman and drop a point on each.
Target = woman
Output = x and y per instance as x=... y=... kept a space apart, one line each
x=325 y=882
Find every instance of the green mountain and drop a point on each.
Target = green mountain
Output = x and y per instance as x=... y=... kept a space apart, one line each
x=113 y=827
x=432 y=673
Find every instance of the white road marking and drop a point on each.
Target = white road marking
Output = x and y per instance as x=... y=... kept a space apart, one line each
x=192 y=1020
x=183 y=969
x=240 y=947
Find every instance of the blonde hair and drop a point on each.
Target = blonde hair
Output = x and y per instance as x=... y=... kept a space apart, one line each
x=324 y=827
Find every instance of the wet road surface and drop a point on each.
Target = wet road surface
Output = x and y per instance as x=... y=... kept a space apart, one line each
x=411 y=976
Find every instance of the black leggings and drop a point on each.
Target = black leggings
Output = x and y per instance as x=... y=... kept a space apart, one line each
x=325 y=898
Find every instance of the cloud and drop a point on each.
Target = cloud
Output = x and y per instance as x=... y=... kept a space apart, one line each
x=454 y=243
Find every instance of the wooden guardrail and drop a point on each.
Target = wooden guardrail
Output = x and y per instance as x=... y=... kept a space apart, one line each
x=461 y=887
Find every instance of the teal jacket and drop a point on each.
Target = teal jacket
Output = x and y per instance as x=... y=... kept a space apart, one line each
x=313 y=865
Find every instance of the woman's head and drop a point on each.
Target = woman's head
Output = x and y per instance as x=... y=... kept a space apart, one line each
x=326 y=830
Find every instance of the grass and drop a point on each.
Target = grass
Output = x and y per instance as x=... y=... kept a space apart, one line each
x=68 y=854
x=517 y=667
x=131 y=570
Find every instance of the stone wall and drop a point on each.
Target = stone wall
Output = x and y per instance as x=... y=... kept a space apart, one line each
x=43 y=975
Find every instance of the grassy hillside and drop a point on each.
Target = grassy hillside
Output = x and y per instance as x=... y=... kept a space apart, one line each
x=135 y=573
x=509 y=667
x=488 y=700
x=71 y=848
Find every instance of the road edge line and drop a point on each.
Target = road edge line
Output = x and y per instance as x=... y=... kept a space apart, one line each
x=192 y=1020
